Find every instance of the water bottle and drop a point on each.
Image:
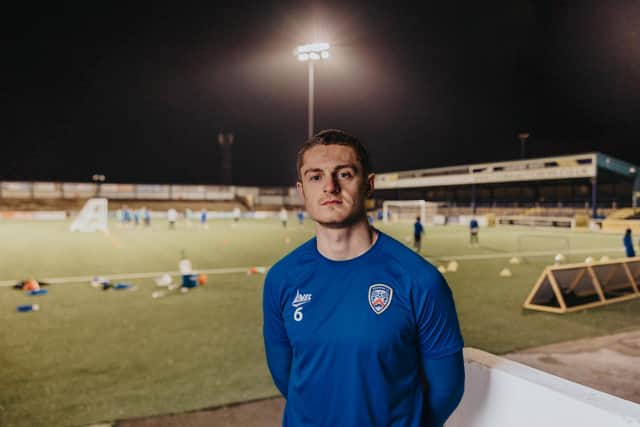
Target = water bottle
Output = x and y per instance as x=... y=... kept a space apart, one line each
x=28 y=307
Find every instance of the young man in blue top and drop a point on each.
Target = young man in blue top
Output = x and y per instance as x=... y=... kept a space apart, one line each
x=359 y=330
x=473 y=232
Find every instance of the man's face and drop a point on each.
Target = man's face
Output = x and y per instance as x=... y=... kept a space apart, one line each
x=332 y=185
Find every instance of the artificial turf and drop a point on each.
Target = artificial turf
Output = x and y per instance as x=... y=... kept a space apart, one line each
x=90 y=355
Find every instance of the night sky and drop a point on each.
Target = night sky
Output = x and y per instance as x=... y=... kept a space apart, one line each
x=139 y=92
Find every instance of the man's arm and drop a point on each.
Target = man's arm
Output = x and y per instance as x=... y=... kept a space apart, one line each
x=440 y=346
x=276 y=342
x=444 y=388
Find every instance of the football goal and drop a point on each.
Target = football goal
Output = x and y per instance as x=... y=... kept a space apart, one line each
x=409 y=210
x=92 y=217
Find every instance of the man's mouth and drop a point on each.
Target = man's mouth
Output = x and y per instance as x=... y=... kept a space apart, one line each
x=331 y=202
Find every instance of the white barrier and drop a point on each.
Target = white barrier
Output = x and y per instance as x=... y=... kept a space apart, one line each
x=500 y=392
x=36 y=215
x=536 y=221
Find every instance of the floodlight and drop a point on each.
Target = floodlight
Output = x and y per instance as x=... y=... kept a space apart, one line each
x=311 y=52
x=312 y=47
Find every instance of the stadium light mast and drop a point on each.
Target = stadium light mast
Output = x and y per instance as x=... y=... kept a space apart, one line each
x=310 y=53
x=226 y=142
x=98 y=179
x=523 y=137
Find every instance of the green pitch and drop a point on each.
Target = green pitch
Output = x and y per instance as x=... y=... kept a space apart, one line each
x=90 y=355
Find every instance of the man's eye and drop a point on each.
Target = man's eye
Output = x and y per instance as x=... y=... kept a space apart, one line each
x=345 y=175
x=314 y=178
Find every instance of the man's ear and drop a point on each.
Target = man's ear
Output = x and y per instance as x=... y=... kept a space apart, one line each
x=300 y=190
x=370 y=184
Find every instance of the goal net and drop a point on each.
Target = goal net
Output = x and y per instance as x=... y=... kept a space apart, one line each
x=92 y=217
x=409 y=210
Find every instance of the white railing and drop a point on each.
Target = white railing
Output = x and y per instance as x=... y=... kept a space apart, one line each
x=500 y=392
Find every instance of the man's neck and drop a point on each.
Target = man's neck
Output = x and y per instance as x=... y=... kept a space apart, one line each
x=345 y=243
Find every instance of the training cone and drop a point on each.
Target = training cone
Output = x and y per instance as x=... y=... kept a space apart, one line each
x=441 y=269
x=604 y=258
x=202 y=279
x=505 y=273
x=514 y=260
x=588 y=260
x=31 y=285
x=252 y=270
x=452 y=266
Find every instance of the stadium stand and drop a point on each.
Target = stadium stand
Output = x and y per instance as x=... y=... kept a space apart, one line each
x=594 y=184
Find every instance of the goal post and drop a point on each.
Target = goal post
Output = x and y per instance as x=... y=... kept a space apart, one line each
x=408 y=210
x=92 y=217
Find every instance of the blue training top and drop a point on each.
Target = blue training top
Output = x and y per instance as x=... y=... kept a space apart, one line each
x=417 y=229
x=345 y=340
x=628 y=245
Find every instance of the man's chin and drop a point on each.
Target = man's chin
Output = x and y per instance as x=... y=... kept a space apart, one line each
x=337 y=223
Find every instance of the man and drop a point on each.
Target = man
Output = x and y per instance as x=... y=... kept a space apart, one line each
x=284 y=215
x=236 y=214
x=627 y=240
x=418 y=229
x=172 y=217
x=473 y=232
x=203 y=218
x=146 y=216
x=354 y=321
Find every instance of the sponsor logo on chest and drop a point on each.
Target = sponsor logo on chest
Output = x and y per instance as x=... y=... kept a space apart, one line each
x=380 y=297
x=298 y=302
x=300 y=299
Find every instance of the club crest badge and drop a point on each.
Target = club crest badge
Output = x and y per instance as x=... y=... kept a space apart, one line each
x=380 y=297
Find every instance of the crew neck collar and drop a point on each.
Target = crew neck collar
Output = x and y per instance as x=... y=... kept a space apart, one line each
x=364 y=254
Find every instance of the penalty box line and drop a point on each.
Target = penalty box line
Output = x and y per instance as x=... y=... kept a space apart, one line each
x=125 y=276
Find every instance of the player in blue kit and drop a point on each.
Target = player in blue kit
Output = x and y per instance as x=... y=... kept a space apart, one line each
x=359 y=330
x=418 y=229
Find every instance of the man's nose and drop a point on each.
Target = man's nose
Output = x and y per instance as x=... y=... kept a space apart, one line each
x=331 y=185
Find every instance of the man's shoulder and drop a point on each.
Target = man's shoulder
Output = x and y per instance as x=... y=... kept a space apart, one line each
x=293 y=260
x=410 y=262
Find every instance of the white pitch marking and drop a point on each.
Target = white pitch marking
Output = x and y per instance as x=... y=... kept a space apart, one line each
x=75 y=279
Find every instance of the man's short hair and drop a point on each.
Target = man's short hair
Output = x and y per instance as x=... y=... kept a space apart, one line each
x=335 y=137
